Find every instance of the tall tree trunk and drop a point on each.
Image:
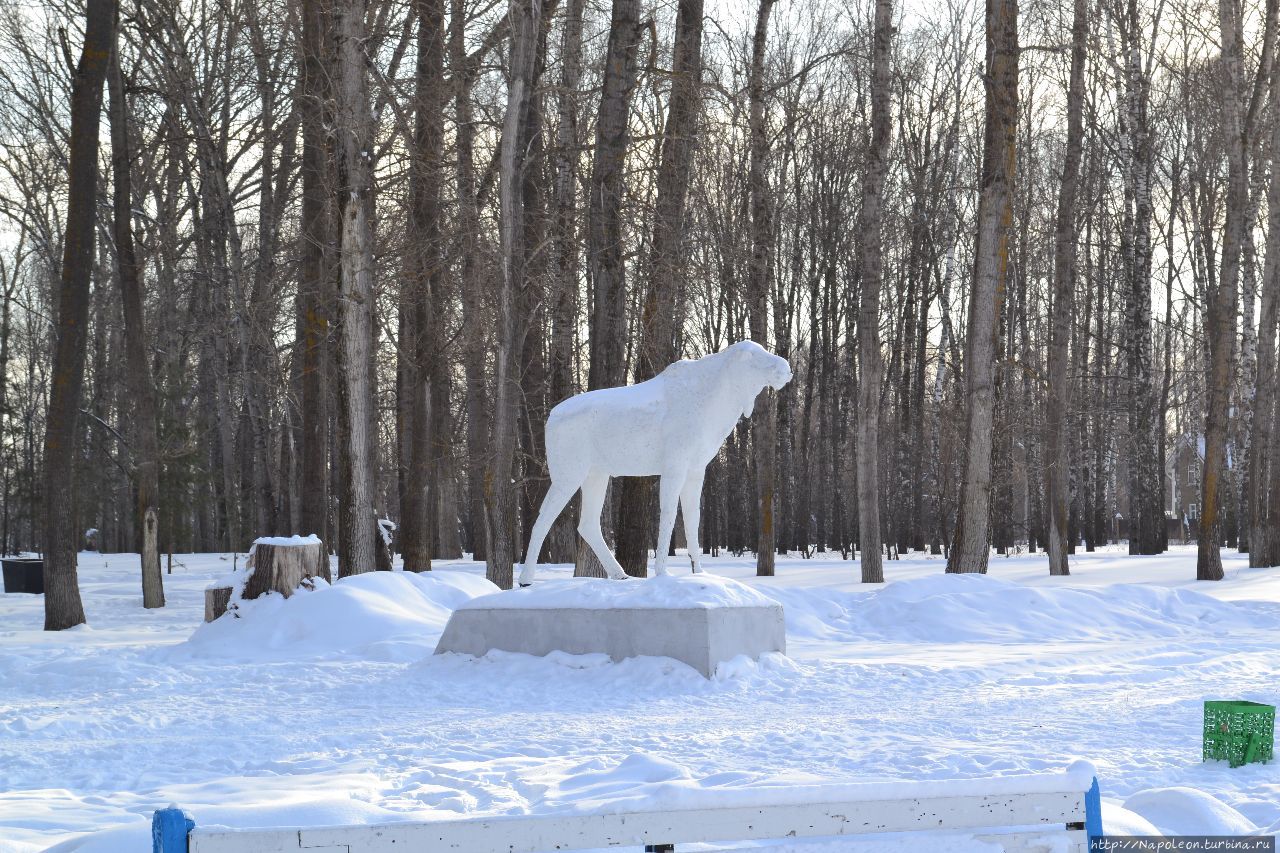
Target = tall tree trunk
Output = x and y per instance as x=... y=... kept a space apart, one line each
x=871 y=261
x=531 y=470
x=605 y=233
x=499 y=491
x=141 y=386
x=764 y=421
x=353 y=159
x=422 y=486
x=605 y=239
x=657 y=345
x=62 y=605
x=1263 y=495
x=473 y=320
x=1224 y=300
x=1057 y=452
x=566 y=252
x=315 y=284
x=1146 y=511
x=970 y=544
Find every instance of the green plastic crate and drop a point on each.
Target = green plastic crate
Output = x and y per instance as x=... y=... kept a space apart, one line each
x=1239 y=732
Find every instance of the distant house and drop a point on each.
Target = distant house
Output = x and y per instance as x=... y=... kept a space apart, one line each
x=1182 y=473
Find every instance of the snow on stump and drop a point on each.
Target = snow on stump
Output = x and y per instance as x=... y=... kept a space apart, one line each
x=275 y=564
x=700 y=620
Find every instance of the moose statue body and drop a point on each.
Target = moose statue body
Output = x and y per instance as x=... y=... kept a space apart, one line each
x=672 y=426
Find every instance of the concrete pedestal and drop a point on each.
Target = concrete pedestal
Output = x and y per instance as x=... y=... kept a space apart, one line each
x=699 y=632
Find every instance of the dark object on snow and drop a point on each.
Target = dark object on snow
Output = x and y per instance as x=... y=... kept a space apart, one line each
x=1239 y=732
x=24 y=574
x=382 y=551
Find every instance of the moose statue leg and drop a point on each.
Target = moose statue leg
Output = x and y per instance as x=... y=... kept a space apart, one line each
x=691 y=507
x=593 y=492
x=668 y=495
x=557 y=496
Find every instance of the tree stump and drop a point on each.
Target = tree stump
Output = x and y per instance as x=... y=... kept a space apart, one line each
x=279 y=564
x=216 y=599
x=276 y=564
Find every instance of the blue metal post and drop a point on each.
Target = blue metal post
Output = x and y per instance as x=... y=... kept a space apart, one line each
x=169 y=828
x=1093 y=811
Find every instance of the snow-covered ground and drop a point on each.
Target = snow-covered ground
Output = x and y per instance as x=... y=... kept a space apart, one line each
x=330 y=707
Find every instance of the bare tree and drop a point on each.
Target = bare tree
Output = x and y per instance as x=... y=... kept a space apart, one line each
x=1057 y=454
x=316 y=275
x=606 y=251
x=971 y=542
x=1224 y=299
x=1263 y=544
x=871 y=267
x=62 y=605
x=656 y=346
x=141 y=386
x=1146 y=514
x=764 y=420
x=353 y=160
x=500 y=493
x=422 y=337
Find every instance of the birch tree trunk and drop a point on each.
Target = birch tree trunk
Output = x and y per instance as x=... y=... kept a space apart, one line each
x=1146 y=510
x=141 y=386
x=62 y=605
x=353 y=159
x=1057 y=454
x=871 y=262
x=970 y=543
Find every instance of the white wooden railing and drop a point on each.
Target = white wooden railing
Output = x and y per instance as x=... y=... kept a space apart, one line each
x=1027 y=814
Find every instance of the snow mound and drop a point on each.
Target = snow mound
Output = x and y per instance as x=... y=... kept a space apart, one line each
x=980 y=608
x=646 y=782
x=389 y=616
x=283 y=801
x=1117 y=820
x=657 y=593
x=1187 y=811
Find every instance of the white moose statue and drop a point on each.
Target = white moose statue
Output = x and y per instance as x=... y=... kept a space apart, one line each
x=672 y=426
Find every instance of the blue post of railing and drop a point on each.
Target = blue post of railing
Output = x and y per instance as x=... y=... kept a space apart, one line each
x=169 y=828
x=1093 y=812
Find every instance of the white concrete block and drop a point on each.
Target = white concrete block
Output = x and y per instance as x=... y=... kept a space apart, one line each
x=699 y=629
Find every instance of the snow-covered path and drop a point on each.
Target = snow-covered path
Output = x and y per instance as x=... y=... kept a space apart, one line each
x=321 y=720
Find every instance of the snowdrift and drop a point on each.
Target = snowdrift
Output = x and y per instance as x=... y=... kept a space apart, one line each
x=976 y=608
x=398 y=616
x=388 y=616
